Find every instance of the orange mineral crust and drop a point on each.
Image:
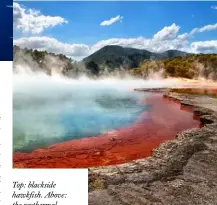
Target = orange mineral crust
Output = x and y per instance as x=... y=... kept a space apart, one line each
x=161 y=122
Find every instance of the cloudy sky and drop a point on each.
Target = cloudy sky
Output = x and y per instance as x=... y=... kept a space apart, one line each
x=77 y=29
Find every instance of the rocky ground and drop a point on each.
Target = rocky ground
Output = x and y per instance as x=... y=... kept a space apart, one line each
x=182 y=171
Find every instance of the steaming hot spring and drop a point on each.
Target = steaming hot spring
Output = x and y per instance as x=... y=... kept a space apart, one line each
x=80 y=123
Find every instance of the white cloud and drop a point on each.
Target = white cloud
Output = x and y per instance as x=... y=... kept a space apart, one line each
x=208 y=28
x=32 y=21
x=214 y=7
x=204 y=46
x=111 y=21
x=193 y=31
x=53 y=45
x=168 y=32
x=183 y=36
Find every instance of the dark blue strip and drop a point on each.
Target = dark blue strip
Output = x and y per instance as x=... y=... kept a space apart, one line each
x=6 y=30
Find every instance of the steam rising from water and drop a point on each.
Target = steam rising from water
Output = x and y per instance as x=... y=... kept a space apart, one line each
x=48 y=109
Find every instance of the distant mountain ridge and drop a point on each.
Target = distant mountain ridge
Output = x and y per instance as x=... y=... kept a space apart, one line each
x=113 y=56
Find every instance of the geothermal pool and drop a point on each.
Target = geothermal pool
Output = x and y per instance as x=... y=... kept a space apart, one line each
x=53 y=111
x=82 y=123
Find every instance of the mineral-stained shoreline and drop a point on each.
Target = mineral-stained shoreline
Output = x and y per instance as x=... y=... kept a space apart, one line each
x=182 y=171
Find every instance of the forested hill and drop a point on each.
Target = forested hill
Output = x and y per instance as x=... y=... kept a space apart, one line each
x=42 y=61
x=113 y=57
x=188 y=66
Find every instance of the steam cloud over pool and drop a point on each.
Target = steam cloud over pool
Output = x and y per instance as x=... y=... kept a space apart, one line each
x=48 y=110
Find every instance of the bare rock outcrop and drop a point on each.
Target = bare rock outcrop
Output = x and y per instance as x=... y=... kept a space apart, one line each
x=182 y=171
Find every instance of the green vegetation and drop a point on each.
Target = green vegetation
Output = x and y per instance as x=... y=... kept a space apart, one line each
x=187 y=66
x=93 y=67
x=42 y=60
x=96 y=183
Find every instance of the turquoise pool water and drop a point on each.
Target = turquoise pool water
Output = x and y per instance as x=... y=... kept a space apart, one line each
x=50 y=112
